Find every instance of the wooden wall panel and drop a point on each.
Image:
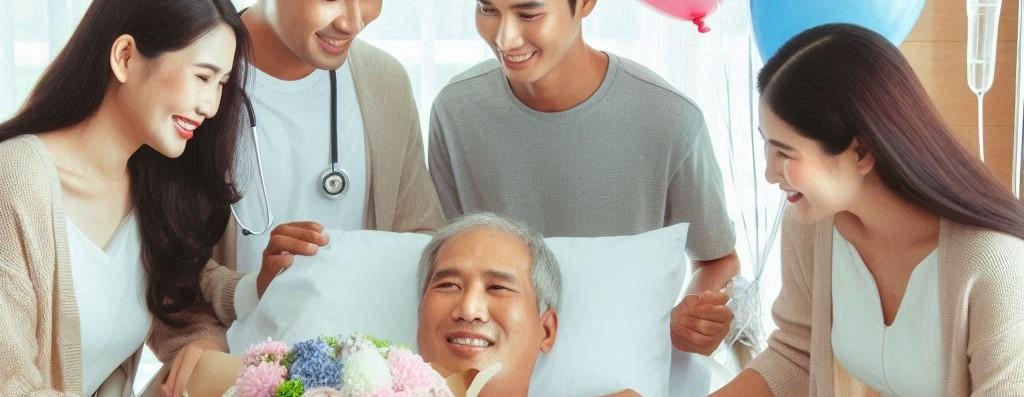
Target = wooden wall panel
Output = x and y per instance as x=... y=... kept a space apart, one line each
x=946 y=20
x=945 y=78
x=937 y=50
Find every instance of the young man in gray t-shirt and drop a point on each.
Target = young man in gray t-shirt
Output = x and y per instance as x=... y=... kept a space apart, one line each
x=577 y=142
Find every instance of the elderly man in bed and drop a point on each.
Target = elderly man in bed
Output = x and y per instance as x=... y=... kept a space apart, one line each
x=490 y=292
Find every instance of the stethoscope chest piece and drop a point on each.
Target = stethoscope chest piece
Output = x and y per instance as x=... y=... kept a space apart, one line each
x=334 y=183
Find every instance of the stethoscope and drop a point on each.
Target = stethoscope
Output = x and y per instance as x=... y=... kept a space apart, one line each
x=333 y=183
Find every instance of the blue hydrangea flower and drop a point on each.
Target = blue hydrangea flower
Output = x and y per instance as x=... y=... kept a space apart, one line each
x=315 y=365
x=311 y=348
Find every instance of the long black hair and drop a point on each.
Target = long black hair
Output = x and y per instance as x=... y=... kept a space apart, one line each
x=182 y=204
x=837 y=82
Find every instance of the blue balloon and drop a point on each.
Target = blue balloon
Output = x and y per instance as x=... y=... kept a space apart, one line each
x=777 y=21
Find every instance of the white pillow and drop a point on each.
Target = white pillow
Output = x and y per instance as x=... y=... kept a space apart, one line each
x=363 y=281
x=613 y=334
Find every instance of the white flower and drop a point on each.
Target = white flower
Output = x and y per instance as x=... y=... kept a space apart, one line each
x=365 y=372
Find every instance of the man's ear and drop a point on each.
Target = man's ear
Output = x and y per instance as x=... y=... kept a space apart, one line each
x=121 y=53
x=549 y=324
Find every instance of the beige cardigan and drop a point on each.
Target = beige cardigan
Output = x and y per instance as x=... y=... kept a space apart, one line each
x=981 y=281
x=402 y=197
x=40 y=347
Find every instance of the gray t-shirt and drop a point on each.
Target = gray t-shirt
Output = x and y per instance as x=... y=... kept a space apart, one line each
x=634 y=157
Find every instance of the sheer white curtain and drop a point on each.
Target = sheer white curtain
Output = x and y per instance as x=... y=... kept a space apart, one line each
x=436 y=39
x=32 y=32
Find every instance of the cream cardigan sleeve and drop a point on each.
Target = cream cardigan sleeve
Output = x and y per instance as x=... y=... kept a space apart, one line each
x=995 y=330
x=785 y=364
x=206 y=320
x=21 y=371
x=418 y=209
x=200 y=323
x=402 y=198
x=29 y=342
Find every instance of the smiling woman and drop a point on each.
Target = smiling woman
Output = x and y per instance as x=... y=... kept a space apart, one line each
x=900 y=248
x=113 y=192
x=912 y=149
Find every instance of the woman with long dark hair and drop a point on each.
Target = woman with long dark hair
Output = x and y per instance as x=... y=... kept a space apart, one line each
x=902 y=256
x=113 y=191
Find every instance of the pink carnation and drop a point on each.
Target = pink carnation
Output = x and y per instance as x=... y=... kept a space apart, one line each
x=260 y=381
x=411 y=373
x=269 y=351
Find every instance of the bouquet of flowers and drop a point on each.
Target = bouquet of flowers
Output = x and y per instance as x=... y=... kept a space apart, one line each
x=356 y=366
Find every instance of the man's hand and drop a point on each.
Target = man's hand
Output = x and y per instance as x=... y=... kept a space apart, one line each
x=700 y=322
x=184 y=363
x=287 y=240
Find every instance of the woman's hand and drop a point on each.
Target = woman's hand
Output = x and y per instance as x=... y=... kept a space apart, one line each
x=184 y=363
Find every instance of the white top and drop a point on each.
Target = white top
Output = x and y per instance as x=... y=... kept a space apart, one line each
x=293 y=125
x=904 y=359
x=110 y=289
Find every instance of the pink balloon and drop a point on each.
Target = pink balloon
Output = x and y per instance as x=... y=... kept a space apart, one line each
x=687 y=10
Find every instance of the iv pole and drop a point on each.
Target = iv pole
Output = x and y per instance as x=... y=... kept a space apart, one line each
x=1018 y=110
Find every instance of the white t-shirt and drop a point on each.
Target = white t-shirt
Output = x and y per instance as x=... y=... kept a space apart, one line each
x=110 y=289
x=293 y=124
x=904 y=359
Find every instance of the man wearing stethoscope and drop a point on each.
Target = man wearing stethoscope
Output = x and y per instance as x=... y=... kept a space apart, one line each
x=332 y=140
x=337 y=131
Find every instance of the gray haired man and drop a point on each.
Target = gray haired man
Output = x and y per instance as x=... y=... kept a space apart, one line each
x=490 y=293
